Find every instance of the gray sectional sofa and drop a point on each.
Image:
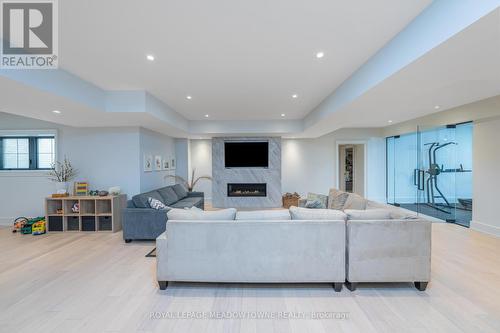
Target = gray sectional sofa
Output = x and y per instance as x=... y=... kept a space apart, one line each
x=141 y=222
x=265 y=251
x=377 y=243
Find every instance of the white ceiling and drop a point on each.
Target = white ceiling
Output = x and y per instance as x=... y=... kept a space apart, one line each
x=462 y=70
x=209 y=60
x=239 y=59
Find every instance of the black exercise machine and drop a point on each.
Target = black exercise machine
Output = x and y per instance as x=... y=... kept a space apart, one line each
x=431 y=184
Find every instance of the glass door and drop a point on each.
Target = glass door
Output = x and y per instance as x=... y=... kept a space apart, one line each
x=401 y=166
x=437 y=168
x=390 y=179
x=404 y=168
x=463 y=174
x=430 y=171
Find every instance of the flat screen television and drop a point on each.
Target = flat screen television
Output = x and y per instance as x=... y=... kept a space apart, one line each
x=246 y=154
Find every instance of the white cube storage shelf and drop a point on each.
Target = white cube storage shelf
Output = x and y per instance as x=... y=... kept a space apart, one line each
x=95 y=213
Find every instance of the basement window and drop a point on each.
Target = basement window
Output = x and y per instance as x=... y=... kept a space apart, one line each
x=18 y=152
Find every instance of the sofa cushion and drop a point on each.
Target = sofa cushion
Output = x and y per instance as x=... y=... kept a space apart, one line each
x=187 y=202
x=368 y=214
x=141 y=200
x=373 y=204
x=299 y=213
x=192 y=214
x=180 y=190
x=402 y=214
x=355 y=201
x=337 y=199
x=266 y=215
x=323 y=199
x=396 y=212
x=168 y=194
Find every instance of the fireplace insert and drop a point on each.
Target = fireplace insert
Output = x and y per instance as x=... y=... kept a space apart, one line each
x=246 y=190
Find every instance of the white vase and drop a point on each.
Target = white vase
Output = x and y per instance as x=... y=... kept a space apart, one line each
x=61 y=187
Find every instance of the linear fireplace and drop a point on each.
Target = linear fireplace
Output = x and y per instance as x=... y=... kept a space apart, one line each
x=246 y=190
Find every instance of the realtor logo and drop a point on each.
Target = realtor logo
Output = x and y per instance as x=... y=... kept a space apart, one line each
x=29 y=34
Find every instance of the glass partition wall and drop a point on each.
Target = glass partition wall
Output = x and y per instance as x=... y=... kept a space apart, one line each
x=430 y=171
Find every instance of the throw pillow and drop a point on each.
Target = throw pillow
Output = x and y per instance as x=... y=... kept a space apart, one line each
x=195 y=215
x=264 y=215
x=355 y=201
x=180 y=190
x=141 y=200
x=368 y=214
x=168 y=194
x=156 y=204
x=299 y=213
x=337 y=199
x=314 y=204
x=323 y=199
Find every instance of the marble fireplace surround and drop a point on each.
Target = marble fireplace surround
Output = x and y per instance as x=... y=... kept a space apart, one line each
x=270 y=176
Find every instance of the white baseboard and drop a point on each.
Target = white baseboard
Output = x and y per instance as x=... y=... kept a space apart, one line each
x=486 y=228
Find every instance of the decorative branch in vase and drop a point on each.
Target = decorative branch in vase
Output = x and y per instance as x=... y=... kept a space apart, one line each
x=189 y=184
x=62 y=173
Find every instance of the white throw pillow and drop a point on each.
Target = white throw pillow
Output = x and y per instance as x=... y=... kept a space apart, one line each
x=337 y=199
x=157 y=204
x=355 y=201
x=368 y=214
x=193 y=214
x=264 y=215
x=299 y=213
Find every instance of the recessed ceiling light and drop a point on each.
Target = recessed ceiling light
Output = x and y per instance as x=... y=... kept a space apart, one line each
x=57 y=111
x=206 y=116
x=282 y=114
x=295 y=96
x=150 y=57
x=437 y=107
x=320 y=54
x=389 y=121
x=189 y=97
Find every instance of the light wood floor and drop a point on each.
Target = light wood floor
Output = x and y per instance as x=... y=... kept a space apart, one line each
x=93 y=282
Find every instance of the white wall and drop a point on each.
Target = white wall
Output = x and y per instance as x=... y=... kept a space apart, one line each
x=201 y=160
x=182 y=153
x=486 y=181
x=359 y=169
x=104 y=157
x=375 y=169
x=153 y=143
x=309 y=165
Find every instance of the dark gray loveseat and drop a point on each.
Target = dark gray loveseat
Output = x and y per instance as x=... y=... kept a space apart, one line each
x=143 y=222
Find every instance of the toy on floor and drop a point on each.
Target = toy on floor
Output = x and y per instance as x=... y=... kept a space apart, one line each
x=19 y=224
x=26 y=226
x=26 y=229
x=39 y=228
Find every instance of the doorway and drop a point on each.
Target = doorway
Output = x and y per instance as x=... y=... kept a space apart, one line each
x=351 y=168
